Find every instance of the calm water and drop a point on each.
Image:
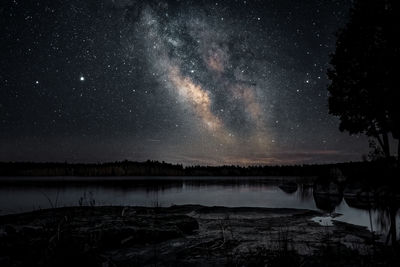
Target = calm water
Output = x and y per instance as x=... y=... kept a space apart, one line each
x=166 y=191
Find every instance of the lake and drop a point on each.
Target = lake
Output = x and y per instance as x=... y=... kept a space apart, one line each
x=22 y=194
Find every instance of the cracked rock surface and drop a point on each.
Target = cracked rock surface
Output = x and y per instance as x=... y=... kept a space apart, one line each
x=188 y=235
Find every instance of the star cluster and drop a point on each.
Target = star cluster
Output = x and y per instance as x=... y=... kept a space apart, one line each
x=195 y=82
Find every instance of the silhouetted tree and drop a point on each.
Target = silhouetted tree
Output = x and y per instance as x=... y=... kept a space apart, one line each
x=364 y=75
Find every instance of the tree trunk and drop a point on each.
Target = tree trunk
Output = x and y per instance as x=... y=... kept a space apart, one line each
x=393 y=232
x=386 y=148
x=384 y=144
x=379 y=141
x=398 y=152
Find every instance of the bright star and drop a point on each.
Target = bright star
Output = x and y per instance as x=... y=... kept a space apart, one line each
x=82 y=78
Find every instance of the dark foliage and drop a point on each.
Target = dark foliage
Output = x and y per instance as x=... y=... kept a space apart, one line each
x=364 y=90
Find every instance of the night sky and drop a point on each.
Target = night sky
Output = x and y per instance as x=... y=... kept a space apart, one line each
x=194 y=82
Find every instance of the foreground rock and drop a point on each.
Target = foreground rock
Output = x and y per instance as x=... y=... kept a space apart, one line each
x=187 y=235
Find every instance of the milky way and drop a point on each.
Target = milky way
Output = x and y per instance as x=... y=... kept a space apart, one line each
x=198 y=71
x=195 y=82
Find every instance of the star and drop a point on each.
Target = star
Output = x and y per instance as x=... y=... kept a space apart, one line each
x=217 y=71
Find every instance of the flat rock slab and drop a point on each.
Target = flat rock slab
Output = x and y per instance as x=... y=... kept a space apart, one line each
x=189 y=235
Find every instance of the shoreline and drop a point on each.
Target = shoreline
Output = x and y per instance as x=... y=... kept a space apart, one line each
x=186 y=235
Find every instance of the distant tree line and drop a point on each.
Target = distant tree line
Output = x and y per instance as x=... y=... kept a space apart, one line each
x=155 y=168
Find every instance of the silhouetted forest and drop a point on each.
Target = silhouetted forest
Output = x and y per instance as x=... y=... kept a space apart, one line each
x=378 y=169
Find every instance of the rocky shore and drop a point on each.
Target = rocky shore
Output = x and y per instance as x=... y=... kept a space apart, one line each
x=188 y=235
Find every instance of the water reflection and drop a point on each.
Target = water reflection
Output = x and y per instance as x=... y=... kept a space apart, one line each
x=386 y=209
x=355 y=204
x=327 y=203
x=288 y=187
x=382 y=203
